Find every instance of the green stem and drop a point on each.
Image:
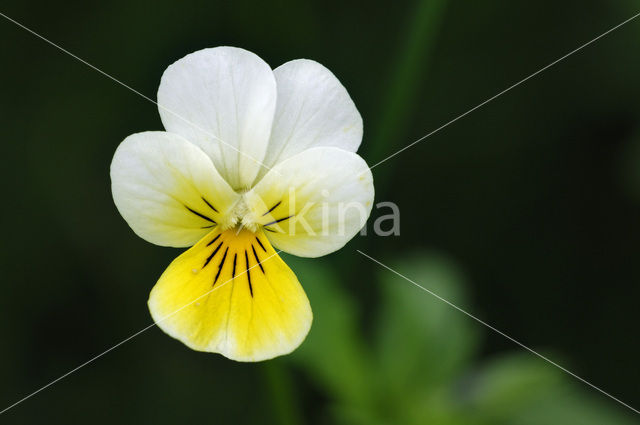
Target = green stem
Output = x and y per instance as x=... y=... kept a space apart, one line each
x=279 y=386
x=403 y=89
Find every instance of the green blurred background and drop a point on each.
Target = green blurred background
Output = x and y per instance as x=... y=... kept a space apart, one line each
x=525 y=213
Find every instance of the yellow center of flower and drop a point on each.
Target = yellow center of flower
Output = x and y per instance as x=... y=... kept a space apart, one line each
x=241 y=216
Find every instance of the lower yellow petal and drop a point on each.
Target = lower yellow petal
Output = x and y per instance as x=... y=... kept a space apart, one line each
x=232 y=294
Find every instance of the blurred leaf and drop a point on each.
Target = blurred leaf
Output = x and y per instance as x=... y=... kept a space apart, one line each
x=420 y=367
x=421 y=341
x=508 y=384
x=520 y=389
x=345 y=414
x=570 y=405
x=333 y=353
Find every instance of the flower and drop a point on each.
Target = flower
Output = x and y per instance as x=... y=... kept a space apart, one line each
x=253 y=158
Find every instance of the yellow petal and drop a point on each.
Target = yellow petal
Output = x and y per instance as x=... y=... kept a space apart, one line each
x=232 y=294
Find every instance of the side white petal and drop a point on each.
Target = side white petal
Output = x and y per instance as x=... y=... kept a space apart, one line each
x=167 y=189
x=313 y=109
x=314 y=202
x=223 y=100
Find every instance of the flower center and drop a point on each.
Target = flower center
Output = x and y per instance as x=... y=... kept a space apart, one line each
x=241 y=216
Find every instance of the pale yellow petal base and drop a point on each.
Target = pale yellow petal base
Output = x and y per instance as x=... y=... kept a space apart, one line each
x=232 y=294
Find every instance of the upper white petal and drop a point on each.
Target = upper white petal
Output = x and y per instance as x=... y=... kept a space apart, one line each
x=314 y=202
x=313 y=109
x=222 y=99
x=163 y=186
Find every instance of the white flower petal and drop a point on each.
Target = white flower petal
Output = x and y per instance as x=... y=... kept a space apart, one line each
x=314 y=202
x=313 y=109
x=167 y=189
x=223 y=100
